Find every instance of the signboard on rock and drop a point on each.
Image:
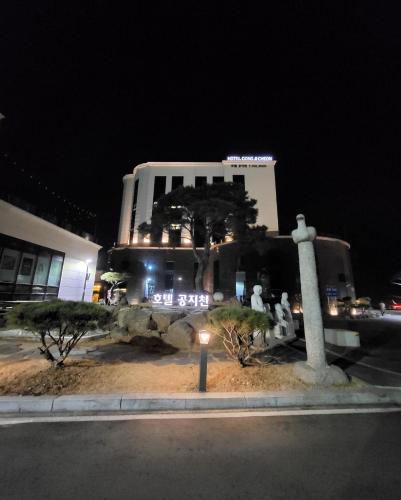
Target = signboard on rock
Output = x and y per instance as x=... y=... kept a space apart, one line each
x=181 y=299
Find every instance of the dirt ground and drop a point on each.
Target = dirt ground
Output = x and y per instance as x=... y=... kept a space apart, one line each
x=110 y=367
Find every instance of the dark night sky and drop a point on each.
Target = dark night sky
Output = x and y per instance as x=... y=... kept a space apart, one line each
x=91 y=89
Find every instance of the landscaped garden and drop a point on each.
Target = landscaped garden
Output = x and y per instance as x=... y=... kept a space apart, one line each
x=143 y=350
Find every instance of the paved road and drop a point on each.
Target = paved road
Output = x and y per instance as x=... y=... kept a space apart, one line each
x=378 y=361
x=353 y=456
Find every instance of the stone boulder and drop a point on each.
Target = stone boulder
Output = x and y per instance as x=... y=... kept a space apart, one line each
x=122 y=316
x=197 y=320
x=180 y=334
x=164 y=319
x=118 y=332
x=325 y=376
x=149 y=334
x=138 y=321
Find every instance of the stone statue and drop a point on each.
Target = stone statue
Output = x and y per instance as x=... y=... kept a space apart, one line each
x=284 y=302
x=257 y=305
x=315 y=370
x=288 y=315
x=256 y=299
x=281 y=326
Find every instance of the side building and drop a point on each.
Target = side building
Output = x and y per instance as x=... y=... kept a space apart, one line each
x=169 y=266
x=42 y=261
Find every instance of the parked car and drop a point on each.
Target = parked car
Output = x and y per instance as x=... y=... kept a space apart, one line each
x=393 y=303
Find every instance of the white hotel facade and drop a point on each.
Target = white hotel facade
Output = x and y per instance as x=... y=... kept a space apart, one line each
x=169 y=262
x=151 y=180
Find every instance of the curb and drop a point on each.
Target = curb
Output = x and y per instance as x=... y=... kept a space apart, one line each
x=197 y=401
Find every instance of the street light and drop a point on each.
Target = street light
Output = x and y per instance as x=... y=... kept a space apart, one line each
x=204 y=337
x=87 y=275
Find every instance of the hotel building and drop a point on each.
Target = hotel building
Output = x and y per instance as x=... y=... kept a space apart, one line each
x=169 y=262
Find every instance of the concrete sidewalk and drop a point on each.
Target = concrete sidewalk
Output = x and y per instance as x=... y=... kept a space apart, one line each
x=373 y=395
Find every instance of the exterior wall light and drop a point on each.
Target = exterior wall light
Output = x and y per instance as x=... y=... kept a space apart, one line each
x=204 y=337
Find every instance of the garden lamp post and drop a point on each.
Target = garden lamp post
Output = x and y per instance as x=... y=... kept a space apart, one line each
x=204 y=337
x=87 y=262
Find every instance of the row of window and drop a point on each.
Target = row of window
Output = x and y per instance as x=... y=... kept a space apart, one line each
x=27 y=269
x=159 y=187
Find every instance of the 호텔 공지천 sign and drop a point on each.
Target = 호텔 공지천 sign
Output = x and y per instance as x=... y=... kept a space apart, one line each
x=182 y=299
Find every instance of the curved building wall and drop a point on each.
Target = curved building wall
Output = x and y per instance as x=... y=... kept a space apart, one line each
x=274 y=264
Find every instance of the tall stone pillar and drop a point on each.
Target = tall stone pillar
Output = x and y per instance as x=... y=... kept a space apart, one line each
x=315 y=370
x=126 y=210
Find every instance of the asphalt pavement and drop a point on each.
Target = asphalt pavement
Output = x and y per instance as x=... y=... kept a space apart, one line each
x=378 y=360
x=350 y=456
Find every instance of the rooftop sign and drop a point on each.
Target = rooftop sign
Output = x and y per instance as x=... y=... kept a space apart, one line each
x=249 y=158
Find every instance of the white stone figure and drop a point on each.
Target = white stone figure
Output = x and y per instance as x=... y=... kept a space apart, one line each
x=288 y=315
x=284 y=302
x=315 y=370
x=218 y=297
x=280 y=329
x=257 y=305
x=256 y=299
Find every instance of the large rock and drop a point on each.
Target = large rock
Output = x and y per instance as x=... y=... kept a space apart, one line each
x=122 y=316
x=324 y=376
x=197 y=320
x=138 y=321
x=149 y=334
x=180 y=334
x=118 y=332
x=164 y=319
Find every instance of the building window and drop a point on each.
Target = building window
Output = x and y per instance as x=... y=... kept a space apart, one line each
x=174 y=236
x=9 y=265
x=200 y=181
x=136 y=186
x=26 y=269
x=217 y=179
x=156 y=236
x=56 y=267
x=239 y=179
x=42 y=268
x=176 y=182
x=196 y=265
x=170 y=265
x=159 y=188
x=216 y=275
x=169 y=275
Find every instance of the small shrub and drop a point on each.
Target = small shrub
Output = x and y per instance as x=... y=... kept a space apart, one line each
x=235 y=325
x=54 y=321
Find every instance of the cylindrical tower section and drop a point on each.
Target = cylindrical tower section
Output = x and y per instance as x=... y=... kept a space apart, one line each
x=126 y=210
